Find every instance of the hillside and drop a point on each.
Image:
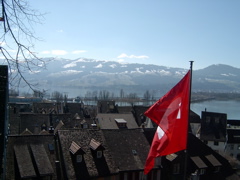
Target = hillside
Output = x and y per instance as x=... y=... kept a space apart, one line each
x=90 y=74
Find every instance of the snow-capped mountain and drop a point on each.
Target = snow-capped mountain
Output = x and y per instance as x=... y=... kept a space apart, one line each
x=87 y=73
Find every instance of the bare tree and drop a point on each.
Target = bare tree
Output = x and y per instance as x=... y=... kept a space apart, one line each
x=147 y=95
x=57 y=96
x=121 y=93
x=17 y=38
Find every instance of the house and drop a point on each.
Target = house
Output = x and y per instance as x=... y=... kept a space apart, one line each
x=195 y=123
x=106 y=106
x=49 y=107
x=198 y=162
x=37 y=122
x=85 y=154
x=104 y=154
x=138 y=112
x=124 y=109
x=233 y=141
x=214 y=130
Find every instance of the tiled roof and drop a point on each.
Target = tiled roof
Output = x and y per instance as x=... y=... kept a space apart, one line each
x=196 y=148
x=129 y=148
x=75 y=148
x=24 y=162
x=198 y=162
x=213 y=160
x=34 y=122
x=28 y=149
x=107 y=121
x=93 y=167
x=95 y=145
x=41 y=159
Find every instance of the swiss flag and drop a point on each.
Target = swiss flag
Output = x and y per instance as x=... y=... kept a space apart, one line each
x=171 y=114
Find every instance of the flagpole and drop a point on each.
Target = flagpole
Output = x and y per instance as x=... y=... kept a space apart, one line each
x=189 y=111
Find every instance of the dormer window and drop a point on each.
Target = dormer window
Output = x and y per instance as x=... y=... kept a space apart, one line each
x=215 y=163
x=97 y=148
x=99 y=154
x=121 y=123
x=79 y=158
x=200 y=165
x=76 y=152
x=84 y=124
x=176 y=168
x=202 y=171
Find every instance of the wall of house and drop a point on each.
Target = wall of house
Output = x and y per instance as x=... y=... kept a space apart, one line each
x=220 y=147
x=233 y=150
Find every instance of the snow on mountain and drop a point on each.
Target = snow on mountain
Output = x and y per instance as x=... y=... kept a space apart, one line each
x=85 y=72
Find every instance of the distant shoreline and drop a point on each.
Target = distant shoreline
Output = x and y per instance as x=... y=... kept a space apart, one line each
x=208 y=96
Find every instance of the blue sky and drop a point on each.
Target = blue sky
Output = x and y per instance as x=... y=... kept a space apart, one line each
x=169 y=33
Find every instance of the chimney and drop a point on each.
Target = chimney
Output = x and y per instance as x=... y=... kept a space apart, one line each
x=58 y=169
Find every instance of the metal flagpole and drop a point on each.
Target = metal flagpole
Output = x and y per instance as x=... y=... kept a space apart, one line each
x=189 y=111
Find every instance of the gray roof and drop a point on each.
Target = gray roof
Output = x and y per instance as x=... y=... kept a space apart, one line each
x=29 y=150
x=107 y=121
x=24 y=162
x=129 y=148
x=41 y=158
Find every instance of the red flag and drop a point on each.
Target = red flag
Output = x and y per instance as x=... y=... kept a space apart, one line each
x=171 y=114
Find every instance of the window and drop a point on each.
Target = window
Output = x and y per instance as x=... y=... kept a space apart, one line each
x=208 y=119
x=217 y=169
x=238 y=157
x=99 y=154
x=231 y=146
x=202 y=171
x=134 y=152
x=176 y=168
x=85 y=126
x=216 y=143
x=217 y=120
x=238 y=147
x=79 y=158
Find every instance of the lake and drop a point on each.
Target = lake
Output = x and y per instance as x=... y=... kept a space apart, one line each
x=230 y=107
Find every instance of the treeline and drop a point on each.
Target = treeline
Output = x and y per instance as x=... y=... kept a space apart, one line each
x=89 y=95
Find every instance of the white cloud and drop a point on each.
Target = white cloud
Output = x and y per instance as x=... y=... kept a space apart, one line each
x=78 y=51
x=45 y=52
x=59 y=52
x=123 y=55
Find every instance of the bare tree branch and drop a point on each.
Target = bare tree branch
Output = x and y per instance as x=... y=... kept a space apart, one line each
x=17 y=41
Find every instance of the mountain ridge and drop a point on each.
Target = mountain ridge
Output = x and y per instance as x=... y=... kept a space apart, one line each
x=100 y=74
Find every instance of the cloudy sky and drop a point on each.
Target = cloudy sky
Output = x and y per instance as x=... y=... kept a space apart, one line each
x=161 y=32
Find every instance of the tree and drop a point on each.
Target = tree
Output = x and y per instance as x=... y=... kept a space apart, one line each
x=121 y=93
x=147 y=95
x=57 y=96
x=17 y=40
